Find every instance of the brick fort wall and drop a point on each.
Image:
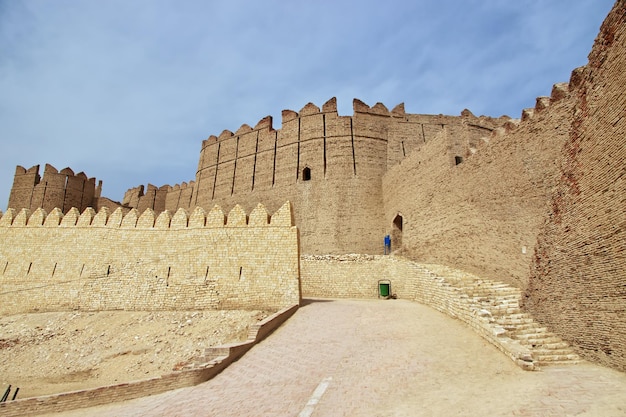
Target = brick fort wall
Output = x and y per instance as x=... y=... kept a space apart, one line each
x=108 y=261
x=578 y=275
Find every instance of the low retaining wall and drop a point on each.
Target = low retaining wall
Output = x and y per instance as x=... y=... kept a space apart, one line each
x=351 y=276
x=127 y=391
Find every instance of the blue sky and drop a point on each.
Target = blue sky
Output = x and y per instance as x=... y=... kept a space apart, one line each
x=127 y=90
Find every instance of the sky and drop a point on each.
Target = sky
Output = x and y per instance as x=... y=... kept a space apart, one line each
x=126 y=91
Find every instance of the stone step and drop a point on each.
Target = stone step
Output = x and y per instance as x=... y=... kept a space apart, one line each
x=530 y=331
x=519 y=326
x=507 y=309
x=538 y=341
x=518 y=316
x=556 y=358
x=557 y=363
x=509 y=297
x=540 y=352
x=553 y=346
x=507 y=321
x=532 y=334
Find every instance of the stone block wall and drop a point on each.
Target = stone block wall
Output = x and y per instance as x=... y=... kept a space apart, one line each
x=578 y=276
x=111 y=261
x=352 y=276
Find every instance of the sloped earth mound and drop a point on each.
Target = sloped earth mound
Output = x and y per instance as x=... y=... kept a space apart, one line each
x=47 y=353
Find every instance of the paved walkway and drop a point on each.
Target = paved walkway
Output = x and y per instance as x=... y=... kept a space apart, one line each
x=382 y=358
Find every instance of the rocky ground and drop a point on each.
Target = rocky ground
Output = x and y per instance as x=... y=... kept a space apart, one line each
x=47 y=353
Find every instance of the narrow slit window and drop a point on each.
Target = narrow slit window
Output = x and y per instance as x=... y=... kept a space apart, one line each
x=306 y=174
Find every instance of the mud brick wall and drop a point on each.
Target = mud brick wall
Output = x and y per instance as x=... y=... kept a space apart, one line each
x=578 y=279
x=482 y=215
x=62 y=189
x=110 y=261
x=338 y=202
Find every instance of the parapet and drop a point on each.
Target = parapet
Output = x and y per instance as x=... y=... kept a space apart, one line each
x=237 y=217
x=55 y=188
x=310 y=109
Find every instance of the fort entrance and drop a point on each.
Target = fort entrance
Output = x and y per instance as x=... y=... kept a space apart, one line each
x=396 y=232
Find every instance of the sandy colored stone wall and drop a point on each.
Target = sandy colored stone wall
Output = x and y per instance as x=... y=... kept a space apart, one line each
x=578 y=278
x=482 y=215
x=108 y=261
x=353 y=276
x=546 y=194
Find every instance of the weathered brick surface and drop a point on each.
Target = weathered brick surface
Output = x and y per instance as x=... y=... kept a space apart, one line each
x=62 y=189
x=142 y=262
x=484 y=214
x=578 y=278
x=339 y=209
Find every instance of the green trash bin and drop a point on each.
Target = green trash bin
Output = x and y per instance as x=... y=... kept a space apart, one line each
x=384 y=288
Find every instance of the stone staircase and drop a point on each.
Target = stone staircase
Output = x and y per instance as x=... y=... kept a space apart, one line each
x=494 y=310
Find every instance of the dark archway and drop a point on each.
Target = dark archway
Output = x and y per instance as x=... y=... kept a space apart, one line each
x=396 y=232
x=306 y=174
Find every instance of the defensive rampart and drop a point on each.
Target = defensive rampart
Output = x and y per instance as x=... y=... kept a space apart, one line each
x=329 y=166
x=554 y=179
x=62 y=189
x=482 y=215
x=578 y=276
x=108 y=261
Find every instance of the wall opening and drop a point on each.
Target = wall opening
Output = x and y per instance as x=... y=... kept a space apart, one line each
x=396 y=232
x=458 y=160
x=306 y=174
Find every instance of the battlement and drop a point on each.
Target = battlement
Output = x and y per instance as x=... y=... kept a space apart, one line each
x=199 y=218
x=148 y=261
x=310 y=109
x=63 y=189
x=318 y=150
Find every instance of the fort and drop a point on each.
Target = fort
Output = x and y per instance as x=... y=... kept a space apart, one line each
x=536 y=203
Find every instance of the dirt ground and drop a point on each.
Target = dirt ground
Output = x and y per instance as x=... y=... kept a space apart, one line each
x=47 y=353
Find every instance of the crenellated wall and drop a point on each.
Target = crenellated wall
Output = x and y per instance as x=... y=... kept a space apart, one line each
x=111 y=261
x=329 y=166
x=482 y=215
x=62 y=189
x=578 y=272
x=541 y=207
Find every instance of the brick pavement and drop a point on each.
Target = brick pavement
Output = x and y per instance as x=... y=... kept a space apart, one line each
x=382 y=358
